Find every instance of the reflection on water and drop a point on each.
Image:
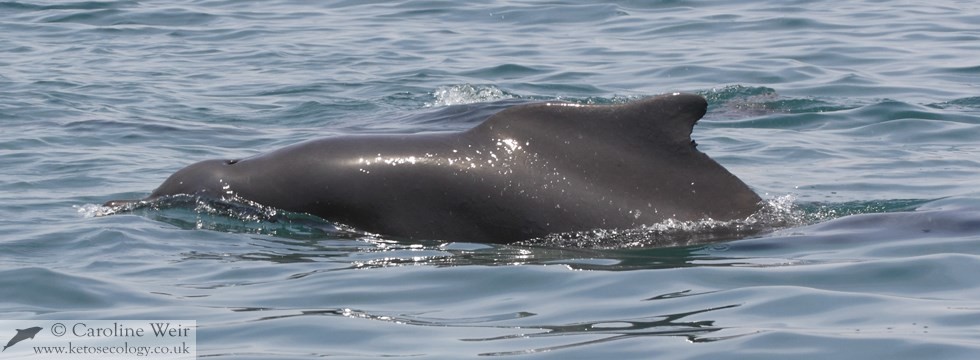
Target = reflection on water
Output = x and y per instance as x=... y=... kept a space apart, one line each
x=614 y=330
x=689 y=324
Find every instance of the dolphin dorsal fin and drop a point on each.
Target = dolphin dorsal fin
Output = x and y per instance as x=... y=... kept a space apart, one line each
x=664 y=119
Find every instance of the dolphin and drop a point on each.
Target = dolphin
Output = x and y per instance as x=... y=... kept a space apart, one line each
x=22 y=334
x=525 y=172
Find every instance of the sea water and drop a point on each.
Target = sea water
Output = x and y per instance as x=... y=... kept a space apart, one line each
x=859 y=119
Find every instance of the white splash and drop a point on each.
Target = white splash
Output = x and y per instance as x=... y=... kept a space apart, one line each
x=93 y=210
x=466 y=94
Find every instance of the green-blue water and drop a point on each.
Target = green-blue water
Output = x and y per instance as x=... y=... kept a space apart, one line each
x=862 y=117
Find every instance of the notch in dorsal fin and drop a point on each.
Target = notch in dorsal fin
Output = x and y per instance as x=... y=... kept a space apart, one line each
x=671 y=116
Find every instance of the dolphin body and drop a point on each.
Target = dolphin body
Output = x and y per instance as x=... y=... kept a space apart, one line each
x=525 y=172
x=22 y=334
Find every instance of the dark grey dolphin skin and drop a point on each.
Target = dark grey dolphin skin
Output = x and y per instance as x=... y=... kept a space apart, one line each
x=525 y=172
x=22 y=334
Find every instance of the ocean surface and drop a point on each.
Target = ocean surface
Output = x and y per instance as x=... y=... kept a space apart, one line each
x=857 y=121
